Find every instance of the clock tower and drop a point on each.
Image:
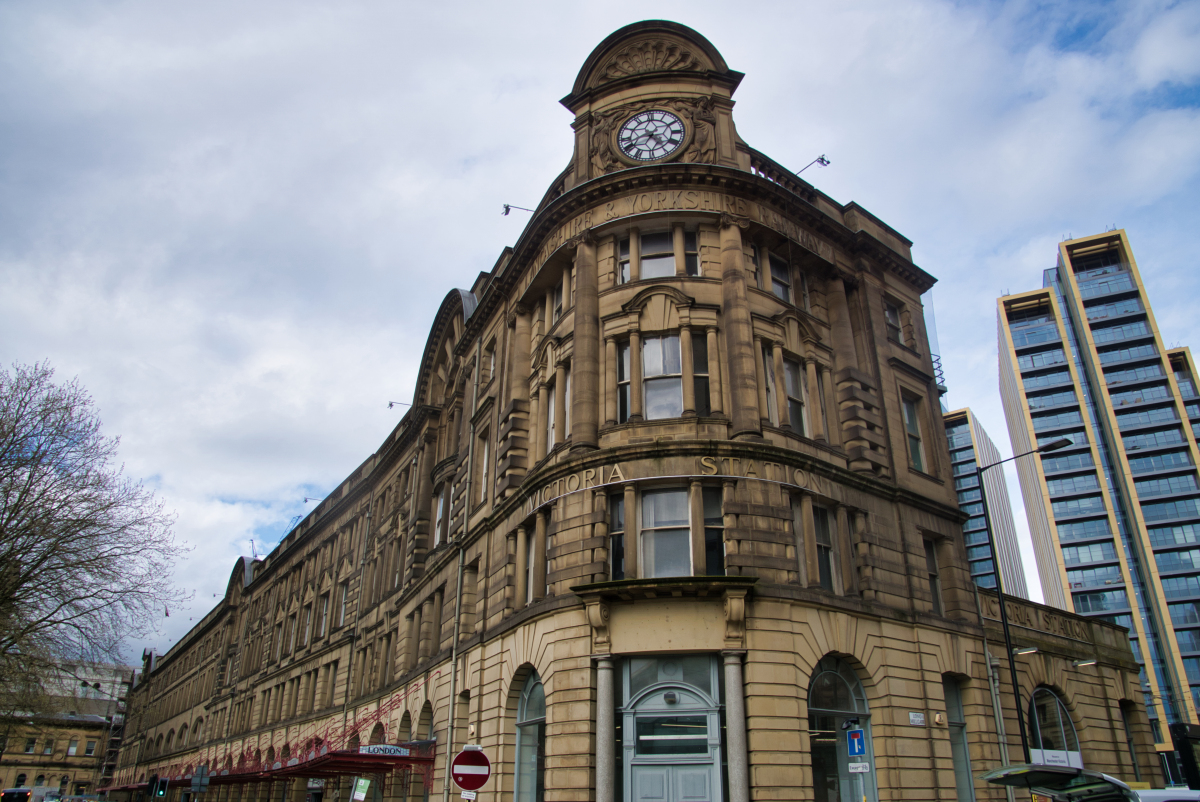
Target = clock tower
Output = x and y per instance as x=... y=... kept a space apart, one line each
x=653 y=92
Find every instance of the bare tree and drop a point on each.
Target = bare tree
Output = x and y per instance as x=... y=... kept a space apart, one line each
x=85 y=552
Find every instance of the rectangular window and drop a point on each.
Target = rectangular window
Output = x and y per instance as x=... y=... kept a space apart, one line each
x=623 y=262
x=714 y=533
x=278 y=642
x=616 y=534
x=768 y=364
x=291 y=633
x=700 y=374
x=439 y=514
x=551 y=405
x=912 y=428
x=306 y=629
x=935 y=583
x=90 y=749
x=323 y=618
x=30 y=745
x=794 y=386
x=557 y=301
x=48 y=748
x=665 y=534
x=891 y=314
x=343 y=601
x=824 y=540
x=622 y=382
x=691 y=254
x=662 y=383
x=484 y=474
x=658 y=255
x=781 y=278
x=529 y=568
x=72 y=748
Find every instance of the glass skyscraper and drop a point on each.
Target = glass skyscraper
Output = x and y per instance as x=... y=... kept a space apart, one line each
x=970 y=447
x=1115 y=518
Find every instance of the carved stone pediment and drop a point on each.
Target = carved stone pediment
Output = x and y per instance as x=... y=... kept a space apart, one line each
x=649 y=55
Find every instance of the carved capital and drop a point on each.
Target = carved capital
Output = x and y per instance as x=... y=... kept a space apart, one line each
x=585 y=237
x=738 y=220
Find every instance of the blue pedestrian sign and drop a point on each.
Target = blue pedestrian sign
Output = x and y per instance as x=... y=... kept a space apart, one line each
x=856 y=744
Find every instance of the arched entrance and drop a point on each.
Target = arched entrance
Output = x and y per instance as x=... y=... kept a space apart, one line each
x=839 y=732
x=1052 y=738
x=671 y=729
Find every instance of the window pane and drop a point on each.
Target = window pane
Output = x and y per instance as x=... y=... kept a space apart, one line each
x=652 y=356
x=664 y=508
x=667 y=552
x=657 y=244
x=664 y=398
x=699 y=353
x=658 y=266
x=672 y=735
x=791 y=378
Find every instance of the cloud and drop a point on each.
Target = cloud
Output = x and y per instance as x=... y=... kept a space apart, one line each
x=234 y=222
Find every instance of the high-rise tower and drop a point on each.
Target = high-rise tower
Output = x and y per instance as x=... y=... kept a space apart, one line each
x=1115 y=518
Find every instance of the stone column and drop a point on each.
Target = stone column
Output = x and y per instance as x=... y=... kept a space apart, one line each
x=689 y=373
x=610 y=381
x=518 y=372
x=785 y=415
x=810 y=540
x=715 y=401
x=633 y=551
x=739 y=341
x=539 y=423
x=560 y=403
x=585 y=366
x=760 y=372
x=839 y=322
x=678 y=247
x=696 y=514
x=606 y=733
x=833 y=430
x=635 y=255
x=539 y=555
x=814 y=398
x=846 y=549
x=635 y=375
x=522 y=577
x=735 y=729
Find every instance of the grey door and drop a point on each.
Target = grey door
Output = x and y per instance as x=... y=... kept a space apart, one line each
x=673 y=783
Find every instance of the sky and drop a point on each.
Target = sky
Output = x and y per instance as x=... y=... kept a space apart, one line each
x=234 y=222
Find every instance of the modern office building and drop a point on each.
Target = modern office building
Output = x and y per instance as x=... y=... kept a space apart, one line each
x=1115 y=518
x=970 y=447
x=671 y=518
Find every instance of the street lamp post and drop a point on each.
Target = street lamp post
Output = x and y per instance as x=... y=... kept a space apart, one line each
x=987 y=521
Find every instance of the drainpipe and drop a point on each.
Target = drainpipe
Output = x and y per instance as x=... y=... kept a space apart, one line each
x=462 y=556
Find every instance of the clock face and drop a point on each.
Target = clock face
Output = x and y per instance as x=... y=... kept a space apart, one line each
x=651 y=135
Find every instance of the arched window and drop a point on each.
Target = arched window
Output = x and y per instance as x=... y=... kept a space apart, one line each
x=1052 y=737
x=839 y=731
x=20 y=780
x=531 y=742
x=40 y=781
x=62 y=785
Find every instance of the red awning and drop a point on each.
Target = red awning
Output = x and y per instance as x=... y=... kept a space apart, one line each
x=379 y=759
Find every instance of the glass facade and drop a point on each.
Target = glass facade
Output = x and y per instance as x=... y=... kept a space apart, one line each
x=1124 y=498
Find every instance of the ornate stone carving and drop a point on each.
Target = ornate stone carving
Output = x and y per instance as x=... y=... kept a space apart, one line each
x=738 y=220
x=703 y=148
x=597 y=614
x=735 y=619
x=648 y=55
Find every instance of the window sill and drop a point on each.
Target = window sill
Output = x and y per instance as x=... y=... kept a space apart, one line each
x=928 y=476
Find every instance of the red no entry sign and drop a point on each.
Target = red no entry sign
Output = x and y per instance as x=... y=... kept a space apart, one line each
x=470 y=769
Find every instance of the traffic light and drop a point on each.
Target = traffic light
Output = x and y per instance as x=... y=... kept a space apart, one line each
x=161 y=790
x=152 y=785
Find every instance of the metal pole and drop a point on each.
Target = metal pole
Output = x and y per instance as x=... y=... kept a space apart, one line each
x=1012 y=663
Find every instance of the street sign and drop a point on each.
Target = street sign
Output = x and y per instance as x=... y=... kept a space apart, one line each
x=856 y=744
x=200 y=780
x=859 y=768
x=470 y=768
x=361 y=786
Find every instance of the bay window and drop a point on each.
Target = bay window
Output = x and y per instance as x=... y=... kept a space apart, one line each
x=796 y=391
x=681 y=533
x=623 y=409
x=700 y=375
x=616 y=535
x=781 y=279
x=657 y=255
x=823 y=535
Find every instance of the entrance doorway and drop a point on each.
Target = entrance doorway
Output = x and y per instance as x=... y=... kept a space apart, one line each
x=839 y=733
x=671 y=728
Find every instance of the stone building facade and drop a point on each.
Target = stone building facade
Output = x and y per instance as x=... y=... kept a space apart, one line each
x=671 y=516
